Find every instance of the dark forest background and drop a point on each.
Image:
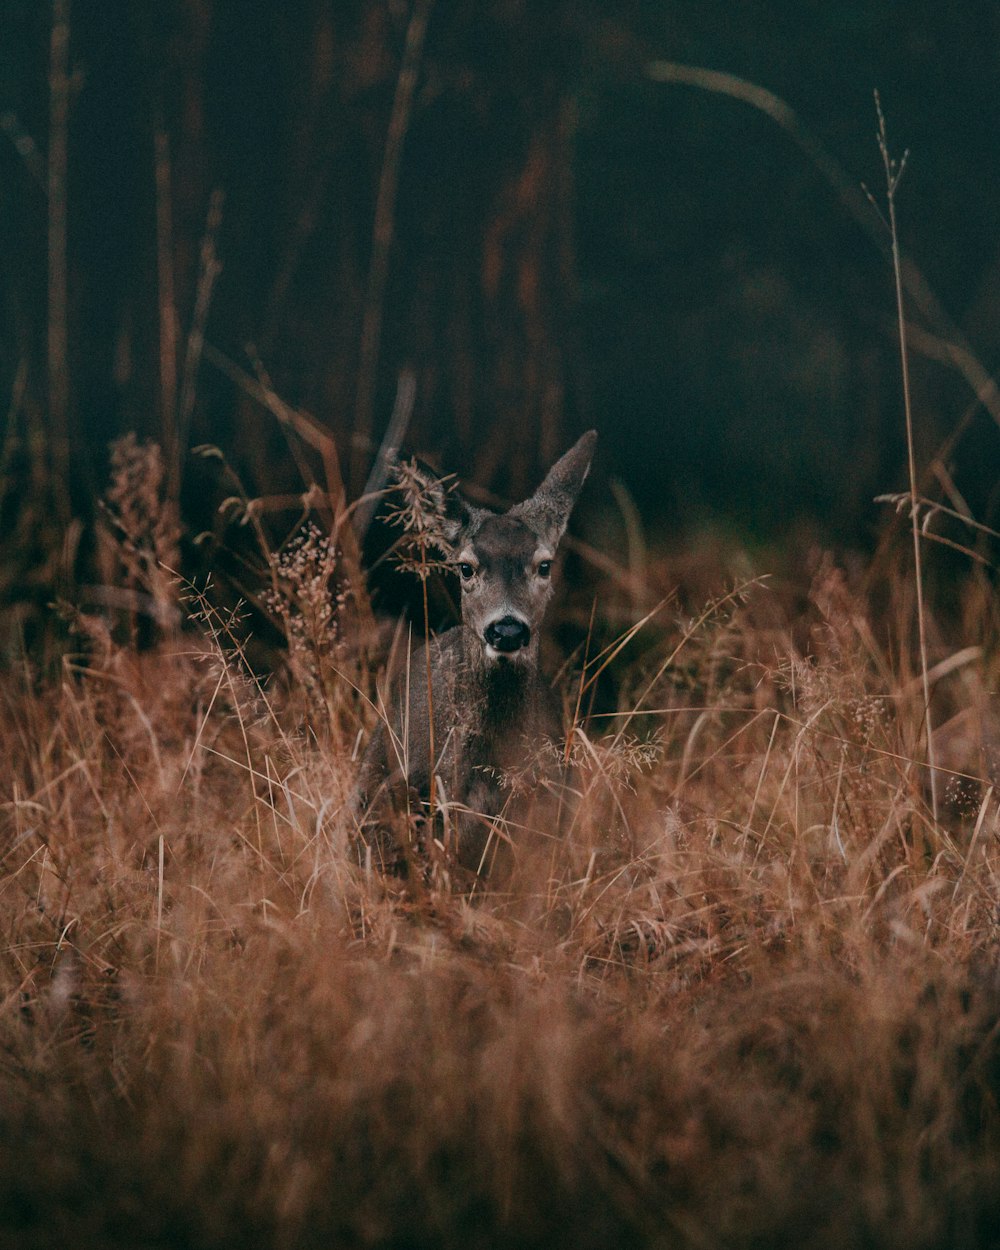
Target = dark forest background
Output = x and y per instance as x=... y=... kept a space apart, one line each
x=202 y=197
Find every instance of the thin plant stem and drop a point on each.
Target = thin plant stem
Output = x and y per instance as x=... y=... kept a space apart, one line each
x=58 y=334
x=432 y=796
x=581 y=687
x=382 y=235
x=893 y=174
x=167 y=307
x=209 y=269
x=159 y=901
x=402 y=411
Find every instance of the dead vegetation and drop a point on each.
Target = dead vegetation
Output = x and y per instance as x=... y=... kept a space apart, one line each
x=748 y=998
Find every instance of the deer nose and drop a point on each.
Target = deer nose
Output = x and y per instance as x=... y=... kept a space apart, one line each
x=507 y=634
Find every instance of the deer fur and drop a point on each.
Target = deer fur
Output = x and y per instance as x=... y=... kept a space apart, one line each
x=491 y=709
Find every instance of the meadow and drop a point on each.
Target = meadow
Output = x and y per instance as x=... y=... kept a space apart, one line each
x=745 y=991
x=749 y=997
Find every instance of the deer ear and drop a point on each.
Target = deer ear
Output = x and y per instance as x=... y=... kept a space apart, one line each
x=457 y=518
x=436 y=508
x=548 y=509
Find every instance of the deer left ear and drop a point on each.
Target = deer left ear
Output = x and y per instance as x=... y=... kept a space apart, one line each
x=549 y=508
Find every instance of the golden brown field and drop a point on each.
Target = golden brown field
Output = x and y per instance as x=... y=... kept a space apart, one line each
x=750 y=999
x=744 y=993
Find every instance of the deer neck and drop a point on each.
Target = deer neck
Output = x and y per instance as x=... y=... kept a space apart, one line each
x=505 y=689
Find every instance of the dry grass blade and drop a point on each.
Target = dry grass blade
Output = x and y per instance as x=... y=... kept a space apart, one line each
x=893 y=174
x=58 y=225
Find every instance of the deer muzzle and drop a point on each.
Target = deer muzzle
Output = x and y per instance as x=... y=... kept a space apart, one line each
x=508 y=634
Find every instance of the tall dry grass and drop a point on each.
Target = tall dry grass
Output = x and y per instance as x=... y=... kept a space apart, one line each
x=750 y=998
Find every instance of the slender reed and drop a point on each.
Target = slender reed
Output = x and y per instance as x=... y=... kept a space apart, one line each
x=382 y=233
x=58 y=333
x=167 y=307
x=893 y=174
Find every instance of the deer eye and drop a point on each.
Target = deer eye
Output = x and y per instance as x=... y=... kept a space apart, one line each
x=466 y=570
x=545 y=568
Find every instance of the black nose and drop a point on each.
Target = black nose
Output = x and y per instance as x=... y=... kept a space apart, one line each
x=507 y=634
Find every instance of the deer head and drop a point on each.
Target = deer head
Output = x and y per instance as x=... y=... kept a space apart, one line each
x=504 y=561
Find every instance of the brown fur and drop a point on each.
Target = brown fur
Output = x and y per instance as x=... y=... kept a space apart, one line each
x=491 y=709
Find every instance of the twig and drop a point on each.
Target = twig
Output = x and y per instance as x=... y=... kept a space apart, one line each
x=382 y=234
x=209 y=269
x=167 y=306
x=402 y=411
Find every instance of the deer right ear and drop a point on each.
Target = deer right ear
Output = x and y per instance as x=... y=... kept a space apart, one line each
x=549 y=507
x=433 y=505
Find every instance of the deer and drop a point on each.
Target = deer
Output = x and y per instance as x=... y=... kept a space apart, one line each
x=472 y=710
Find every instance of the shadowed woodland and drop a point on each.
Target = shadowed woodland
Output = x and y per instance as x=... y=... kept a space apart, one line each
x=744 y=989
x=513 y=210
